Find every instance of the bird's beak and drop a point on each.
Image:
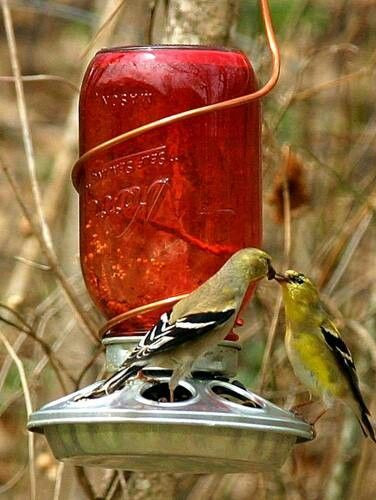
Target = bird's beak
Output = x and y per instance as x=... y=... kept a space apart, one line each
x=271 y=272
x=281 y=278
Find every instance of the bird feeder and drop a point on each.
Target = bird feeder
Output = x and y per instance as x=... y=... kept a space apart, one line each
x=159 y=214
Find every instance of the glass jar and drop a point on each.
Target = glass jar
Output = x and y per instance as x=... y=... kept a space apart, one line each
x=161 y=213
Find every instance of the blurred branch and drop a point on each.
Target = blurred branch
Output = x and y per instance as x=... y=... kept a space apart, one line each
x=56 y=364
x=265 y=366
x=29 y=409
x=42 y=78
x=58 y=480
x=84 y=482
x=84 y=320
x=39 y=225
x=348 y=253
x=119 y=4
x=13 y=480
x=25 y=127
x=88 y=365
x=311 y=92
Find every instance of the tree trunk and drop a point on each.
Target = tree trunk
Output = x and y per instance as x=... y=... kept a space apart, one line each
x=193 y=22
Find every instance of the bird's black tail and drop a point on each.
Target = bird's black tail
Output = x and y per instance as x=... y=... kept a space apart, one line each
x=114 y=383
x=367 y=425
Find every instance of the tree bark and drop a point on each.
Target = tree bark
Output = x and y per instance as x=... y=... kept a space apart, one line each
x=193 y=22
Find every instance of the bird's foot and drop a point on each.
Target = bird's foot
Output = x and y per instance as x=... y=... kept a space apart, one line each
x=144 y=378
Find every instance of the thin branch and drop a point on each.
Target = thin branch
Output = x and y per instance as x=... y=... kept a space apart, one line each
x=29 y=409
x=113 y=484
x=40 y=227
x=13 y=480
x=84 y=482
x=7 y=363
x=88 y=365
x=102 y=28
x=311 y=92
x=26 y=134
x=56 y=364
x=348 y=253
x=51 y=258
x=58 y=480
x=286 y=251
x=42 y=78
x=32 y=263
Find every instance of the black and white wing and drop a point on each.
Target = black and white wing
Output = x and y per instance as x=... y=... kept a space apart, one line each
x=165 y=335
x=162 y=337
x=346 y=363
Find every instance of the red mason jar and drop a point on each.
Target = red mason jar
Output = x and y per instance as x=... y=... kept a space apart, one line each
x=160 y=213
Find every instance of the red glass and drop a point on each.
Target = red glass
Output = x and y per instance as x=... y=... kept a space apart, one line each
x=161 y=213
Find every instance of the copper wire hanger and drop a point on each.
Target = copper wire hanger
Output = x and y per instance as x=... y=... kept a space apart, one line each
x=231 y=103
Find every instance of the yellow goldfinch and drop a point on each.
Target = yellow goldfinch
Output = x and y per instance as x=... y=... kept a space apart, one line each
x=195 y=324
x=319 y=356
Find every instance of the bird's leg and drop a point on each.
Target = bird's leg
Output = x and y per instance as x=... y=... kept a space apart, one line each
x=177 y=374
x=173 y=383
x=171 y=395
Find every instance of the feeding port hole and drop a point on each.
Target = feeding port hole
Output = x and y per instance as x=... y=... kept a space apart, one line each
x=232 y=395
x=161 y=393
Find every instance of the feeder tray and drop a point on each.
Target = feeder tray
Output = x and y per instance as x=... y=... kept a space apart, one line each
x=214 y=426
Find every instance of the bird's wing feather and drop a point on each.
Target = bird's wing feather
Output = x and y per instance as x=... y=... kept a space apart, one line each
x=344 y=359
x=165 y=336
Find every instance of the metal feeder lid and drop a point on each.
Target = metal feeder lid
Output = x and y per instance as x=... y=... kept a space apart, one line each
x=216 y=426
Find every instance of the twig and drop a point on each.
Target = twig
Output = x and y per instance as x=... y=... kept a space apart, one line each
x=365 y=339
x=58 y=480
x=286 y=250
x=8 y=361
x=102 y=28
x=308 y=93
x=348 y=253
x=113 y=486
x=26 y=134
x=88 y=365
x=41 y=78
x=29 y=409
x=52 y=259
x=123 y=483
x=32 y=263
x=40 y=227
x=13 y=480
x=84 y=482
x=56 y=364
x=108 y=490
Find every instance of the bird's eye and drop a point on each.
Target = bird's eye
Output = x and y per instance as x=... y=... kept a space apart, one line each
x=297 y=278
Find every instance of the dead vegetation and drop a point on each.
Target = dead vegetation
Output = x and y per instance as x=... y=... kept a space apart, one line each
x=320 y=201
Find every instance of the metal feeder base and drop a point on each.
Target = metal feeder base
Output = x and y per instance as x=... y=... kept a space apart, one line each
x=215 y=426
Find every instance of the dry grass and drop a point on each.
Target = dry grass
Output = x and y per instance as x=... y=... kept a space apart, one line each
x=320 y=202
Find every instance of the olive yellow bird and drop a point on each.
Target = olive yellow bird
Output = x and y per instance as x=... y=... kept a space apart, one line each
x=319 y=356
x=194 y=325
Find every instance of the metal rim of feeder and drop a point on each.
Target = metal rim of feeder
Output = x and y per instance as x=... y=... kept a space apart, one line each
x=131 y=430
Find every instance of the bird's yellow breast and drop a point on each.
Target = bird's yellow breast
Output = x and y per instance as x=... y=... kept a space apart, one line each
x=314 y=364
